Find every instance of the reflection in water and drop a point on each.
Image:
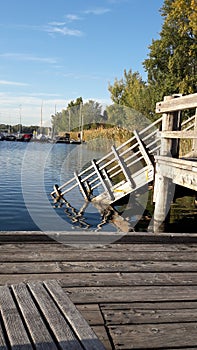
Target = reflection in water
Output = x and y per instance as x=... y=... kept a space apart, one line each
x=183 y=215
x=110 y=215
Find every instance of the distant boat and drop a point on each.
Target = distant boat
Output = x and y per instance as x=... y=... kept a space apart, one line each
x=66 y=140
x=24 y=137
x=10 y=137
x=63 y=139
x=2 y=137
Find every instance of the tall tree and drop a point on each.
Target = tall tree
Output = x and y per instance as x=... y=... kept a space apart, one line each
x=70 y=119
x=91 y=113
x=172 y=62
x=132 y=91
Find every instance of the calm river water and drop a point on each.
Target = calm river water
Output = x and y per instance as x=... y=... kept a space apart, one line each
x=28 y=172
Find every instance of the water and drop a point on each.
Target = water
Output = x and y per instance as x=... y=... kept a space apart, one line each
x=28 y=172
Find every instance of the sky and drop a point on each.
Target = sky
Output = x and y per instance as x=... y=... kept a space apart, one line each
x=52 y=52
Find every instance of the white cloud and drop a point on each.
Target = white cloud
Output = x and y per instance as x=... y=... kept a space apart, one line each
x=56 y=27
x=65 y=31
x=72 y=17
x=83 y=76
x=97 y=11
x=42 y=94
x=14 y=83
x=29 y=107
x=26 y=57
x=57 y=24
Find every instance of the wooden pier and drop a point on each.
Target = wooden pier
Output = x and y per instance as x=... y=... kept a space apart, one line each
x=137 y=293
x=86 y=292
x=172 y=168
x=150 y=156
x=124 y=170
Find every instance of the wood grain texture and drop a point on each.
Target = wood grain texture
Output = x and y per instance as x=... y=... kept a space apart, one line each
x=125 y=291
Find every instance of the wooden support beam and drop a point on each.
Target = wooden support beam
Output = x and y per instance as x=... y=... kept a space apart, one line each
x=163 y=195
x=194 y=145
x=123 y=166
x=103 y=181
x=170 y=122
x=178 y=134
x=142 y=148
x=81 y=186
x=182 y=172
x=177 y=104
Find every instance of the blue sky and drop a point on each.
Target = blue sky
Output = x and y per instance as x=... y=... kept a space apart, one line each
x=52 y=52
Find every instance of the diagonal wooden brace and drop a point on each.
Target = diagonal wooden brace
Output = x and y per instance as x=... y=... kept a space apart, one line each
x=124 y=167
x=105 y=183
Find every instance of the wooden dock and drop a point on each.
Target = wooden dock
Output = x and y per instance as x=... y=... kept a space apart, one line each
x=171 y=167
x=151 y=155
x=137 y=293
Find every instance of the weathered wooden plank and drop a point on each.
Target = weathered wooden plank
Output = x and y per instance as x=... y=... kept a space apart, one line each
x=65 y=268
x=129 y=279
x=108 y=279
x=92 y=314
x=153 y=336
x=133 y=246
x=101 y=333
x=178 y=134
x=177 y=104
x=142 y=315
x=163 y=305
x=180 y=172
x=3 y=345
x=61 y=330
x=146 y=305
x=89 y=256
x=190 y=348
x=131 y=294
x=117 y=247
x=37 y=328
x=186 y=164
x=13 y=324
x=19 y=238
x=74 y=317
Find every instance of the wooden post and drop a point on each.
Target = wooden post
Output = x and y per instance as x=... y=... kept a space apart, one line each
x=170 y=122
x=164 y=189
x=194 y=144
x=164 y=193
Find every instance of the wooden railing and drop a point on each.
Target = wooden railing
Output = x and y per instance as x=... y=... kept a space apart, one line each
x=129 y=164
x=133 y=157
x=171 y=168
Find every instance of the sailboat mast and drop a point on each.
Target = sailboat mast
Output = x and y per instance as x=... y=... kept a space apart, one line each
x=41 y=117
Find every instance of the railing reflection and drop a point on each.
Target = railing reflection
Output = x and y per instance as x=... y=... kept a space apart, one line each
x=107 y=216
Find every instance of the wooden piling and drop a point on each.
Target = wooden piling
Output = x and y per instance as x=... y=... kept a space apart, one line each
x=162 y=193
x=168 y=170
x=194 y=144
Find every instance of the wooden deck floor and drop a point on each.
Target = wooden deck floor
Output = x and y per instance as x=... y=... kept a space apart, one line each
x=139 y=293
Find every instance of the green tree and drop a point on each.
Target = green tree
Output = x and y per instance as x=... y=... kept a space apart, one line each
x=74 y=109
x=132 y=91
x=126 y=117
x=91 y=113
x=76 y=113
x=172 y=62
